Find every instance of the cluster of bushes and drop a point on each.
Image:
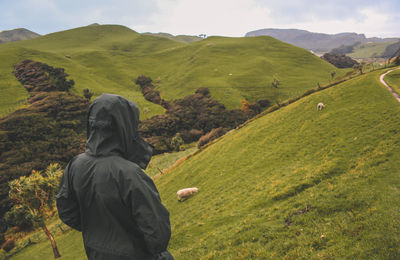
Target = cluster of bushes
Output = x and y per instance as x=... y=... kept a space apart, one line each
x=51 y=129
x=37 y=76
x=339 y=60
x=148 y=91
x=192 y=117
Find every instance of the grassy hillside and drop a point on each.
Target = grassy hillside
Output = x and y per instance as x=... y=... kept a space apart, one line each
x=108 y=58
x=393 y=79
x=179 y=38
x=17 y=35
x=295 y=183
x=369 y=50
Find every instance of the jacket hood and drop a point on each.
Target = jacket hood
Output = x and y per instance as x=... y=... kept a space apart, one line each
x=112 y=129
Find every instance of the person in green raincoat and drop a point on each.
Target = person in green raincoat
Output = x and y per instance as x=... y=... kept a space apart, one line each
x=105 y=194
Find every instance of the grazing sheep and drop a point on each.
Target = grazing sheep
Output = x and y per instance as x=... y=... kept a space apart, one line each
x=320 y=106
x=185 y=193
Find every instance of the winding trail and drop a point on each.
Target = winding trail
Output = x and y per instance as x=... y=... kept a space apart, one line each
x=381 y=78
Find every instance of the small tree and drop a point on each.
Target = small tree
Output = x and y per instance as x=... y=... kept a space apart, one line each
x=245 y=105
x=87 y=94
x=275 y=83
x=143 y=81
x=37 y=193
x=333 y=74
x=176 y=142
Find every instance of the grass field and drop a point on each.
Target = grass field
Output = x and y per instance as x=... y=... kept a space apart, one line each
x=393 y=79
x=297 y=183
x=294 y=184
x=369 y=50
x=109 y=58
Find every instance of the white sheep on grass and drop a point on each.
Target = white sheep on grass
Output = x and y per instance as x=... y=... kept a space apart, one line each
x=320 y=106
x=185 y=193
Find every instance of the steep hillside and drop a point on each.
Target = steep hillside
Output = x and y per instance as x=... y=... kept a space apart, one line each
x=108 y=58
x=296 y=183
x=17 y=35
x=371 y=50
x=393 y=79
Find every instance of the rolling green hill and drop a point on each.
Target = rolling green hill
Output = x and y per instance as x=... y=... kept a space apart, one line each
x=369 y=50
x=108 y=58
x=17 y=35
x=297 y=183
x=293 y=184
x=179 y=38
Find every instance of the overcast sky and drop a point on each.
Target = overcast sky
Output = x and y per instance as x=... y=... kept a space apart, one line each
x=212 y=17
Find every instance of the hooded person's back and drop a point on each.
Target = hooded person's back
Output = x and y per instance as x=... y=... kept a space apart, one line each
x=105 y=194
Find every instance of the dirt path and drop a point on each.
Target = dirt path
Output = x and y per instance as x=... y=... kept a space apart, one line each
x=381 y=78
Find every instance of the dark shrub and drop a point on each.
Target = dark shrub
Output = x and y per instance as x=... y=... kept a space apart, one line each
x=37 y=76
x=191 y=135
x=19 y=217
x=204 y=91
x=8 y=245
x=264 y=103
x=212 y=135
x=87 y=94
x=161 y=144
x=339 y=60
x=143 y=81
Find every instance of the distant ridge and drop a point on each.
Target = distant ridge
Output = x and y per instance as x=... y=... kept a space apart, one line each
x=179 y=38
x=17 y=35
x=317 y=42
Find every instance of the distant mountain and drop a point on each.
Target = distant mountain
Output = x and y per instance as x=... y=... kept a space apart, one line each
x=17 y=35
x=317 y=42
x=179 y=38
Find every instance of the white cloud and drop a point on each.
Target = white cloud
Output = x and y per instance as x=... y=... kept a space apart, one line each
x=370 y=22
x=212 y=17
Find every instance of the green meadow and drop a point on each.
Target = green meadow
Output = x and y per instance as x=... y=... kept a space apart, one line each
x=296 y=183
x=393 y=79
x=369 y=50
x=109 y=58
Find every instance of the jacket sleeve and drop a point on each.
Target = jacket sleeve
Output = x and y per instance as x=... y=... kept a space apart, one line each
x=67 y=206
x=150 y=216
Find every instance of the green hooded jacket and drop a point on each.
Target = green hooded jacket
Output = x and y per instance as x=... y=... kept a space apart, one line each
x=105 y=194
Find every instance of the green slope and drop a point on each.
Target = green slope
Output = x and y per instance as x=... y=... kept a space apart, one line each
x=294 y=184
x=108 y=58
x=297 y=183
x=369 y=50
x=393 y=79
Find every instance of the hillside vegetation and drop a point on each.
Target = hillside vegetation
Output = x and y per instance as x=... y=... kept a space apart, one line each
x=108 y=58
x=393 y=79
x=369 y=50
x=295 y=183
x=17 y=35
